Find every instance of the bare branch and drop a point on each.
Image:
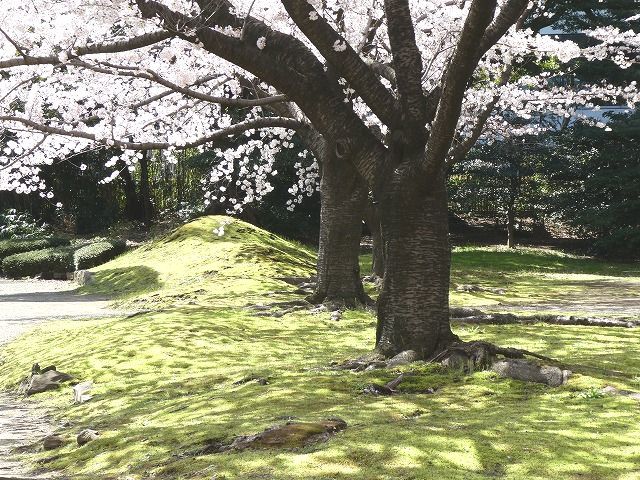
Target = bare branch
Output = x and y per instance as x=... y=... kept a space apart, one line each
x=13 y=42
x=132 y=43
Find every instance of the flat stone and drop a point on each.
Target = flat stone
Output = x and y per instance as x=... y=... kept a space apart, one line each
x=526 y=371
x=87 y=435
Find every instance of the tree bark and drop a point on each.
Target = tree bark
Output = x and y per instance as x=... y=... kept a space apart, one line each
x=413 y=306
x=343 y=196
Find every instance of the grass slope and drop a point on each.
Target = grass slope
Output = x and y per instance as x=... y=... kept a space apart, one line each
x=165 y=382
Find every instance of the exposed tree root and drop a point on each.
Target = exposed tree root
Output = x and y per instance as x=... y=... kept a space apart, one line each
x=473 y=316
x=468 y=357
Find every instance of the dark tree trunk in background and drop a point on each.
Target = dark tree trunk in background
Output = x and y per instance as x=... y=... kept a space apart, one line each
x=511 y=227
x=132 y=208
x=138 y=204
x=145 y=189
x=377 y=251
x=343 y=199
x=413 y=307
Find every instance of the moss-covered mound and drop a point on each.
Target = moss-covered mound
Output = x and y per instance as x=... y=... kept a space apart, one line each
x=210 y=260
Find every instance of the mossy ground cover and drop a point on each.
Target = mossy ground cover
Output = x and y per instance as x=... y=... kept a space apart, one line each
x=543 y=280
x=165 y=383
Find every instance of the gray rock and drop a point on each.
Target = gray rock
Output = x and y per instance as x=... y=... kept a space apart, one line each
x=403 y=358
x=83 y=277
x=609 y=390
x=49 y=380
x=336 y=315
x=526 y=371
x=87 y=435
x=52 y=442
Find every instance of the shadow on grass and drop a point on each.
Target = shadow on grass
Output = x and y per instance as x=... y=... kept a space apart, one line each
x=131 y=280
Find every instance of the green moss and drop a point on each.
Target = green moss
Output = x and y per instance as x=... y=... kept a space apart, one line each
x=164 y=383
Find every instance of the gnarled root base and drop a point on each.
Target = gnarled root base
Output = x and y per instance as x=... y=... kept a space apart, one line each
x=470 y=357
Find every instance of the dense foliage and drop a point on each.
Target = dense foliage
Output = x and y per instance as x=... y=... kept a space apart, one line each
x=13 y=246
x=594 y=180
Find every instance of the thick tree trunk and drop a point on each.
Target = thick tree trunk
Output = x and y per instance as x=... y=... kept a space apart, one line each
x=343 y=199
x=377 y=254
x=413 y=307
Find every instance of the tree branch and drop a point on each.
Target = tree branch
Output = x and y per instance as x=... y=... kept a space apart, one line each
x=133 y=43
x=407 y=63
x=460 y=151
x=153 y=76
x=511 y=12
x=345 y=61
x=256 y=123
x=463 y=64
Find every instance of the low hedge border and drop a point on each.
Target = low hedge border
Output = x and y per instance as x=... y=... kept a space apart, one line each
x=97 y=253
x=13 y=246
x=50 y=262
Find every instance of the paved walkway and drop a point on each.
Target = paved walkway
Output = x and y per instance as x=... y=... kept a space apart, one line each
x=23 y=305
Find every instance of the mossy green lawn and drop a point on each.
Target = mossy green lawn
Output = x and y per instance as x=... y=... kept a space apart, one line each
x=540 y=280
x=165 y=382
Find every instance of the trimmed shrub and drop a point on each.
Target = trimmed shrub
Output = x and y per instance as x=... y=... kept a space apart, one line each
x=45 y=262
x=13 y=246
x=97 y=253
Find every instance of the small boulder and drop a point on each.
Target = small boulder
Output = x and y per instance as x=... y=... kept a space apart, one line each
x=403 y=358
x=52 y=442
x=526 y=371
x=87 y=435
x=336 y=315
x=83 y=277
x=49 y=380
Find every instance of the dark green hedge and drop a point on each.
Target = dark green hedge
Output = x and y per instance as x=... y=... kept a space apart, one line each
x=97 y=253
x=43 y=262
x=13 y=246
x=61 y=259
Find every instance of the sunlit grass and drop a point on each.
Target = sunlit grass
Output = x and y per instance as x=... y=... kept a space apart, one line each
x=164 y=383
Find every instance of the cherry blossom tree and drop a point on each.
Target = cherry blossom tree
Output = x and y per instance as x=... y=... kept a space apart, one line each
x=386 y=95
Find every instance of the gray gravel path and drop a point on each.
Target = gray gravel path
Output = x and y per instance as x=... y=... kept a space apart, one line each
x=23 y=305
